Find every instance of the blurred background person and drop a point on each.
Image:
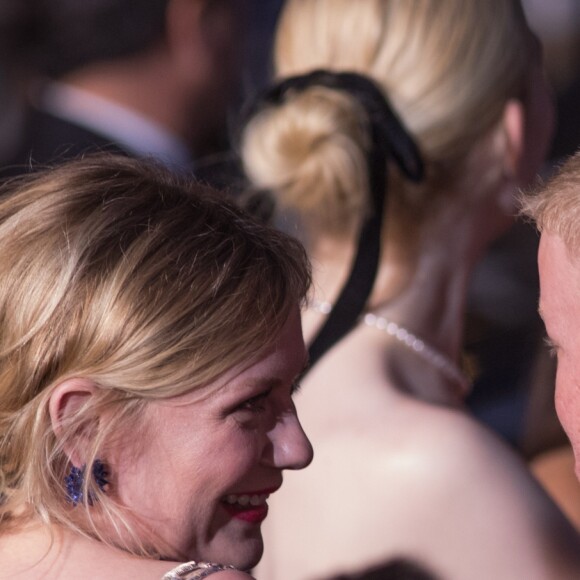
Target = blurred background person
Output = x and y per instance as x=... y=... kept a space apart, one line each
x=143 y=78
x=401 y=469
x=150 y=347
x=557 y=23
x=504 y=332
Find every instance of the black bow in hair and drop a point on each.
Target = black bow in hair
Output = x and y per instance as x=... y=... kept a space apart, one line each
x=389 y=139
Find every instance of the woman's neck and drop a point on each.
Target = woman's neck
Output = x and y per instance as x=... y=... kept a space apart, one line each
x=424 y=292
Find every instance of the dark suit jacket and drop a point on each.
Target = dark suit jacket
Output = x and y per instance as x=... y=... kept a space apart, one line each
x=48 y=140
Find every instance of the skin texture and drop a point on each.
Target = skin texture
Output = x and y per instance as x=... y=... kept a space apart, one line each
x=424 y=493
x=68 y=555
x=235 y=437
x=250 y=429
x=560 y=309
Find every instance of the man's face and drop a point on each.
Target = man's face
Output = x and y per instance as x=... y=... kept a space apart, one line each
x=560 y=309
x=222 y=42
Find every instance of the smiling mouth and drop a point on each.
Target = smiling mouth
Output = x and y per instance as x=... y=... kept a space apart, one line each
x=244 y=500
x=250 y=508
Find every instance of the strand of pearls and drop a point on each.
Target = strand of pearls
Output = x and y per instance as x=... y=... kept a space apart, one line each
x=423 y=349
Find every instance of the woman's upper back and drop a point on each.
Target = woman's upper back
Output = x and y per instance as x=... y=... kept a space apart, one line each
x=396 y=477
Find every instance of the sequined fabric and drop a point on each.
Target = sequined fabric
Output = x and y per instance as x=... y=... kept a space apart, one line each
x=195 y=570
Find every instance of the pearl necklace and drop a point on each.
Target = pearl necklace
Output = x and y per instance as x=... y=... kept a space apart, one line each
x=423 y=349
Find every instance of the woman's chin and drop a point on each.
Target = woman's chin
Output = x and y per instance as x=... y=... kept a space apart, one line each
x=243 y=554
x=248 y=554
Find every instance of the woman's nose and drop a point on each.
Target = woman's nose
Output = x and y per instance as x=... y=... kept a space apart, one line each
x=291 y=448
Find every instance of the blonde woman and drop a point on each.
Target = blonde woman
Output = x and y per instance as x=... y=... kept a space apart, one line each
x=149 y=348
x=401 y=471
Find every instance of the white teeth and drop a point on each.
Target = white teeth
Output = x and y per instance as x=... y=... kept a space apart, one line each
x=245 y=500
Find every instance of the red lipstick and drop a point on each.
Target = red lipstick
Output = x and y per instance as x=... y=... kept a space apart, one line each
x=250 y=513
x=249 y=507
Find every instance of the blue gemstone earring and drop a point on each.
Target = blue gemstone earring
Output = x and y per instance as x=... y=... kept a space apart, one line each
x=74 y=481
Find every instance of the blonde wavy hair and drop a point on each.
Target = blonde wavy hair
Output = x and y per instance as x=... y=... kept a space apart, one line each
x=447 y=66
x=115 y=271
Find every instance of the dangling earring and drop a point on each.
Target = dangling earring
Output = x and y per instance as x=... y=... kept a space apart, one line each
x=74 y=481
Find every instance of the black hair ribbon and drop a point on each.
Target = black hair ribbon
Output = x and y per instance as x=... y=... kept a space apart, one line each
x=389 y=139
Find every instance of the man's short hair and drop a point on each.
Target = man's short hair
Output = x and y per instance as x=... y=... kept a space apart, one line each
x=555 y=205
x=58 y=36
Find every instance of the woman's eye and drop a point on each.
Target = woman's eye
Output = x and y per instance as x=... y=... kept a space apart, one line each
x=255 y=404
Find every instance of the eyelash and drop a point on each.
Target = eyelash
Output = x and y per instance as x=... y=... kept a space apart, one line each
x=255 y=404
x=552 y=348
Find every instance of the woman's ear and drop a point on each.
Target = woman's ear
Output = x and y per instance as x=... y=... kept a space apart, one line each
x=65 y=403
x=513 y=130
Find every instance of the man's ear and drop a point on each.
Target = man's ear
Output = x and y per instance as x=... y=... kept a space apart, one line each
x=65 y=403
x=513 y=130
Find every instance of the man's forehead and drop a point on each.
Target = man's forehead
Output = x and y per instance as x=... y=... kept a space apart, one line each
x=559 y=276
x=555 y=255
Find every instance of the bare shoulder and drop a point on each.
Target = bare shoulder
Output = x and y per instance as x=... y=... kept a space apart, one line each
x=465 y=480
x=461 y=458
x=429 y=453
x=433 y=457
x=429 y=483
x=36 y=552
x=449 y=442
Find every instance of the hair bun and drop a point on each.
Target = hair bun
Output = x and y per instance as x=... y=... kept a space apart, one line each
x=311 y=151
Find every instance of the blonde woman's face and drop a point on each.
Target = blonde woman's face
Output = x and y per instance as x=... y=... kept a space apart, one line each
x=207 y=466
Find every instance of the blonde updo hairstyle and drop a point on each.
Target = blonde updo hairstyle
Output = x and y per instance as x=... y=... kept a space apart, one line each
x=112 y=270
x=448 y=68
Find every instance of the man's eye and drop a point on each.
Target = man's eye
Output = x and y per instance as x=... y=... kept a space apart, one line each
x=552 y=347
